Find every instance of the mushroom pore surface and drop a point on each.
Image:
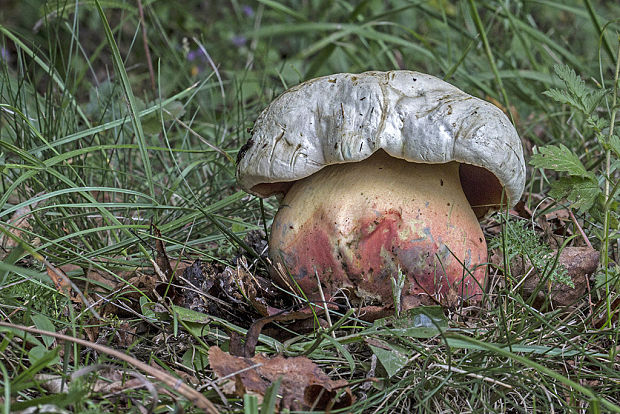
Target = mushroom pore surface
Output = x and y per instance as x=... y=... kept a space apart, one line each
x=356 y=224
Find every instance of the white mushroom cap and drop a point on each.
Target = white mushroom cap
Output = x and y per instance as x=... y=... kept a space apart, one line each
x=410 y=115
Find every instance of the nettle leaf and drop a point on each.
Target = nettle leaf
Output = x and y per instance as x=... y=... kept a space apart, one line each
x=597 y=123
x=573 y=82
x=563 y=97
x=560 y=158
x=576 y=94
x=581 y=192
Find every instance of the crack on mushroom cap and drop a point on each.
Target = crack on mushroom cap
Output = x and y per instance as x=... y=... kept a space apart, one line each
x=413 y=116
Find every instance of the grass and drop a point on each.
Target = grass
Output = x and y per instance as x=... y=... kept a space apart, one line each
x=97 y=153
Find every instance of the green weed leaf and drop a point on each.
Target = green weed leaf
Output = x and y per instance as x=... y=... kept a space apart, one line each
x=563 y=97
x=43 y=322
x=392 y=357
x=592 y=100
x=576 y=94
x=597 y=123
x=40 y=353
x=39 y=362
x=195 y=358
x=580 y=191
x=560 y=158
x=572 y=81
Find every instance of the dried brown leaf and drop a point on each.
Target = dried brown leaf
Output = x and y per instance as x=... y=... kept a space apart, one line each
x=61 y=281
x=304 y=385
x=580 y=262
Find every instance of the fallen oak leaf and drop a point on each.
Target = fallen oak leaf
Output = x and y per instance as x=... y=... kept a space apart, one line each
x=303 y=384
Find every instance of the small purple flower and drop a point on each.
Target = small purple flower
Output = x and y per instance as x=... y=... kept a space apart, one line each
x=248 y=11
x=239 y=40
x=197 y=54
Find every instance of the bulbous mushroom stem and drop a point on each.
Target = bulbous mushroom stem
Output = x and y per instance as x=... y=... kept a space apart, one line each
x=357 y=225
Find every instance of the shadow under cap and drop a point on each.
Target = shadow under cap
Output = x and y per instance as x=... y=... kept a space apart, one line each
x=481 y=187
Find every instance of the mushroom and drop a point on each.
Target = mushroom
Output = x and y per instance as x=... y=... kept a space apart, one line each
x=384 y=176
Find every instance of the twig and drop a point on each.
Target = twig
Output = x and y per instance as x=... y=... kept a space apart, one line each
x=583 y=235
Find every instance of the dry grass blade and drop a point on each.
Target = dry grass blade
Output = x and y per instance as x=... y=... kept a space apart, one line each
x=176 y=384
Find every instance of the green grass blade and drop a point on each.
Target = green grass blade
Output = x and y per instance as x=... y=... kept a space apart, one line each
x=135 y=119
x=597 y=25
x=487 y=48
x=51 y=71
x=538 y=367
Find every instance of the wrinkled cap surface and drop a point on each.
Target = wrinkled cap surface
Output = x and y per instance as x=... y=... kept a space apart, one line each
x=417 y=117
